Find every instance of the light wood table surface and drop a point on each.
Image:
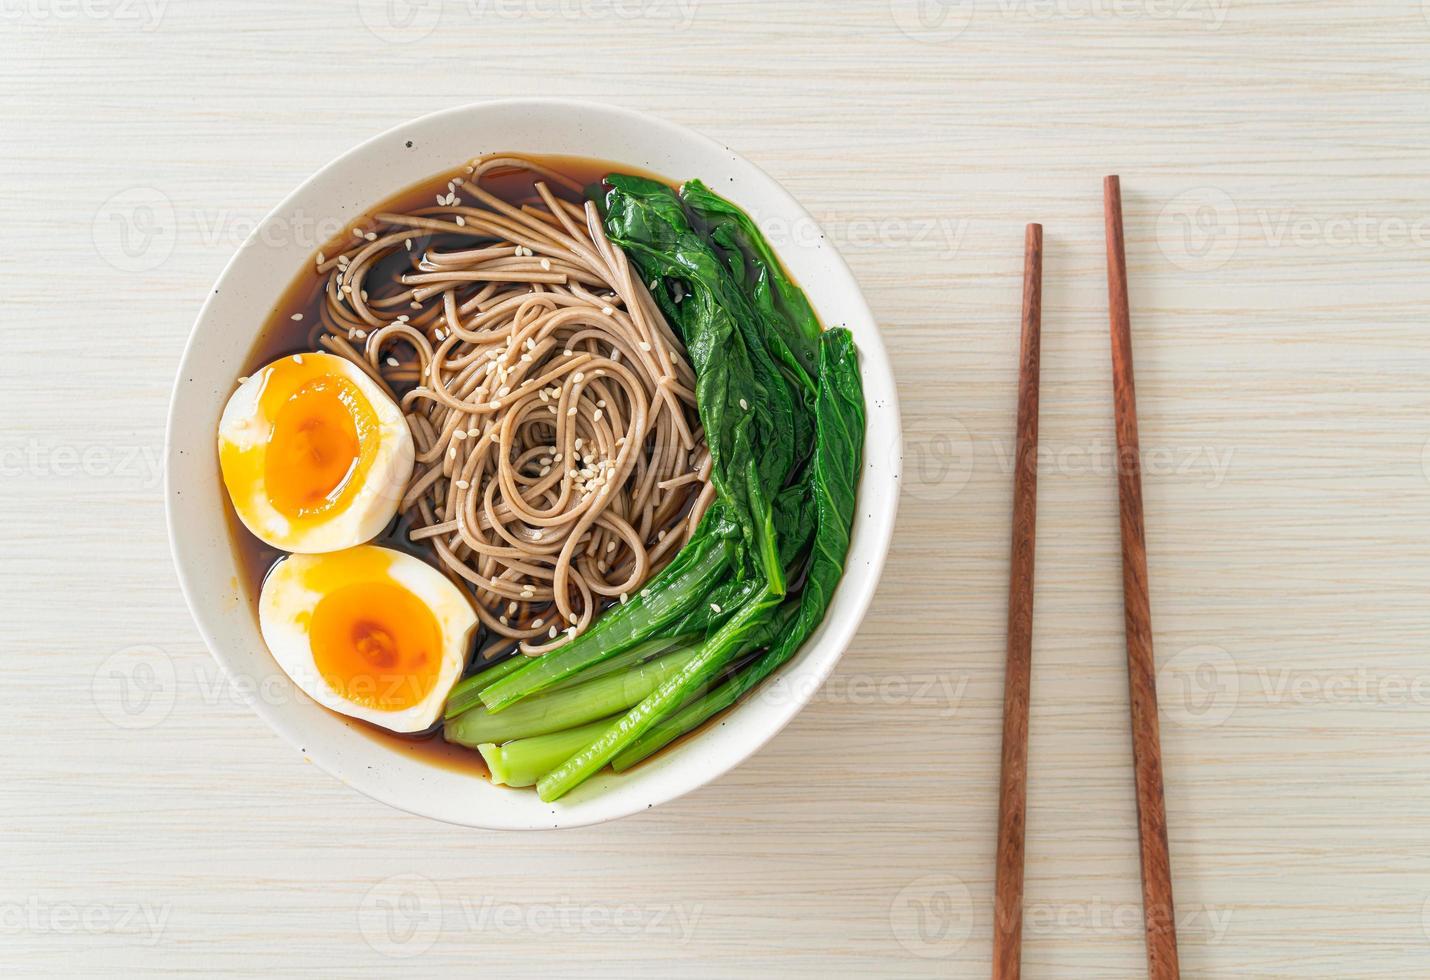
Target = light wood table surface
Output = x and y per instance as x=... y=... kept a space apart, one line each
x=1274 y=163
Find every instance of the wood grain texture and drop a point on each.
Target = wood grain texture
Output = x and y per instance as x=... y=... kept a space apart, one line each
x=1277 y=212
x=1158 y=909
x=1017 y=672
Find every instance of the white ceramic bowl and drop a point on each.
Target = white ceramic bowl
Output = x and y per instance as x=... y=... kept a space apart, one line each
x=213 y=581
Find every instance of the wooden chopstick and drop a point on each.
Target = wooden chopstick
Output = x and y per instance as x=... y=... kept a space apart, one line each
x=1013 y=781
x=1159 y=923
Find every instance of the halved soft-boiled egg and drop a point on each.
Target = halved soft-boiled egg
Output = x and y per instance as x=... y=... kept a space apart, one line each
x=368 y=632
x=314 y=454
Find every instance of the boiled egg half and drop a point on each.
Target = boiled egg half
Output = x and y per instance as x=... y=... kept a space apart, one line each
x=314 y=454
x=369 y=632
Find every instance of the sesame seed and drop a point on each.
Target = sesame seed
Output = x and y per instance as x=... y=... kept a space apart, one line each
x=607 y=310
x=625 y=598
x=552 y=633
x=536 y=535
x=371 y=236
x=357 y=232
x=296 y=316
x=571 y=410
x=243 y=379
x=503 y=620
x=537 y=623
x=610 y=546
x=714 y=607
x=596 y=416
x=408 y=243
x=321 y=260
x=392 y=362
x=461 y=220
x=297 y=358
x=545 y=265
x=644 y=345
x=463 y=485
x=511 y=608
x=459 y=435
x=744 y=405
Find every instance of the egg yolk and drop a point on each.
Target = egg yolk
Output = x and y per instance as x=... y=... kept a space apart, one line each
x=316 y=445
x=376 y=645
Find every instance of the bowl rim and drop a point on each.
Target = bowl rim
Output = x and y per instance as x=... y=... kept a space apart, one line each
x=679 y=780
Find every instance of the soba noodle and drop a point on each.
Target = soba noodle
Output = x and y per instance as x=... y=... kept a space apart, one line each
x=560 y=461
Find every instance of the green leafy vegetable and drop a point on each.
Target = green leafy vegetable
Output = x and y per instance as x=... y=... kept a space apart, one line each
x=783 y=414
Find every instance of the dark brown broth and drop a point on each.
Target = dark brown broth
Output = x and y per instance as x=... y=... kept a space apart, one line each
x=281 y=336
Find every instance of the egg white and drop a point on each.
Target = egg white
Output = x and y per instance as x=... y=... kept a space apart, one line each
x=285 y=609
x=244 y=427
